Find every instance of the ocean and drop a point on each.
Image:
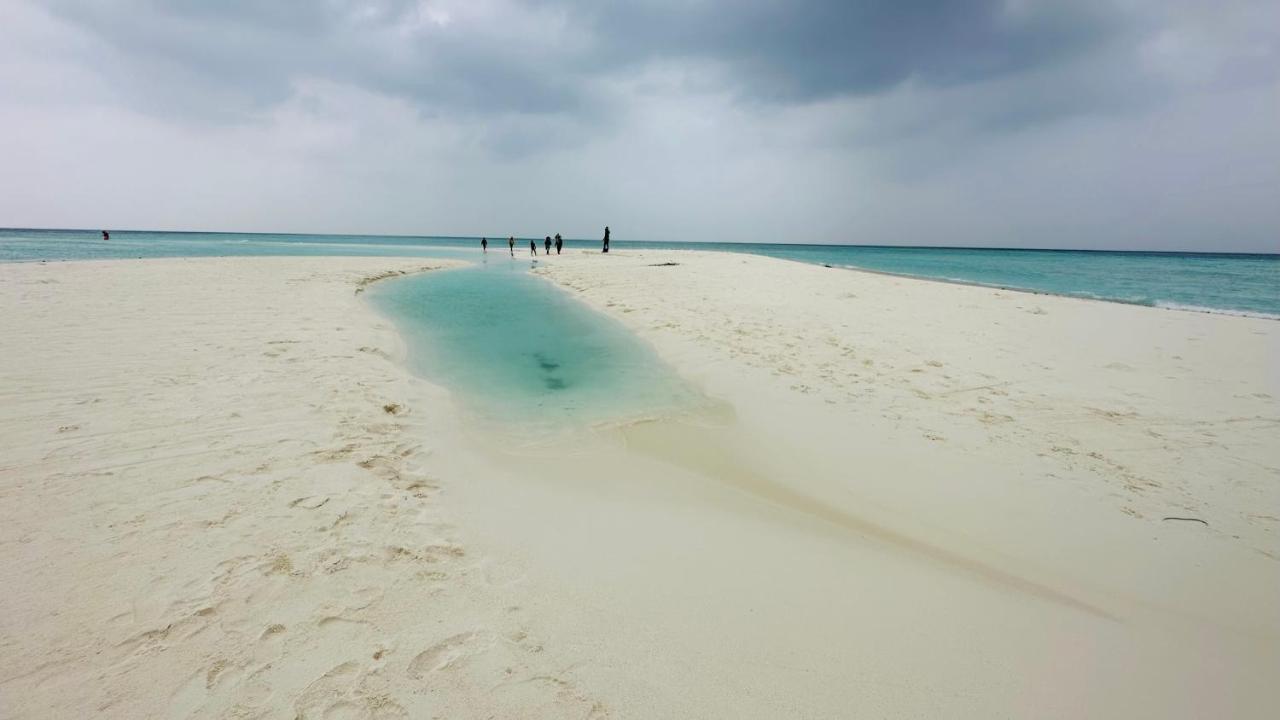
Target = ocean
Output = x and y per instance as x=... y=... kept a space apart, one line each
x=1247 y=284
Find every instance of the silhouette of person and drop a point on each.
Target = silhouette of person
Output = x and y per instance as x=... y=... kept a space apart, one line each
x=547 y=245
x=511 y=245
x=484 y=244
x=606 y=238
x=106 y=235
x=559 y=243
x=533 y=247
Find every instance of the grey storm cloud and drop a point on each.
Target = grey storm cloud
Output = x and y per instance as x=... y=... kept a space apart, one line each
x=800 y=51
x=251 y=54
x=1078 y=123
x=549 y=57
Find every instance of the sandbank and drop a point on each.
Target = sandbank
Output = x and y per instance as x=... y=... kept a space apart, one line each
x=224 y=496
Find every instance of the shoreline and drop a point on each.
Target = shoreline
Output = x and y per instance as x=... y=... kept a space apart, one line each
x=1160 y=304
x=1031 y=291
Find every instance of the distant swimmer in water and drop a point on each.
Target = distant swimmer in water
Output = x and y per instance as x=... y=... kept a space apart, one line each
x=511 y=245
x=484 y=244
x=606 y=238
x=548 y=245
x=559 y=243
x=106 y=235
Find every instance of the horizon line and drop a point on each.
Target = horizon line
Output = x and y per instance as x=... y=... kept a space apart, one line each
x=680 y=242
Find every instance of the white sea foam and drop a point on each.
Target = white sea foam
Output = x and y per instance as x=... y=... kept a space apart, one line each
x=1216 y=311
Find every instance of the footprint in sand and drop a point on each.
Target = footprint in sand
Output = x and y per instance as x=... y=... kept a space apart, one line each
x=220 y=671
x=311 y=502
x=380 y=465
x=277 y=564
x=404 y=450
x=449 y=653
x=420 y=489
x=347 y=691
x=341 y=453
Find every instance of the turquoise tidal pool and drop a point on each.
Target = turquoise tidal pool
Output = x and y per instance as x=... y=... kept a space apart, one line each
x=517 y=351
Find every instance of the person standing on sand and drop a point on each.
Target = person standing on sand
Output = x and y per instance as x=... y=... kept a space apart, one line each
x=533 y=247
x=511 y=245
x=547 y=245
x=484 y=245
x=606 y=238
x=559 y=243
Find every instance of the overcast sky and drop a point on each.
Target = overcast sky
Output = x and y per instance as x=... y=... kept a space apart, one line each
x=1127 y=125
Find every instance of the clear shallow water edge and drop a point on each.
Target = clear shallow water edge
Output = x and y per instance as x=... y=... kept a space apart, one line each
x=525 y=357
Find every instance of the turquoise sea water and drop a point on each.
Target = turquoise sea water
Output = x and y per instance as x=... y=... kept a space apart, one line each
x=1220 y=282
x=1248 y=284
x=34 y=245
x=520 y=352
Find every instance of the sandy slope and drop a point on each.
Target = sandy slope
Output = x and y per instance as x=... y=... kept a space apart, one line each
x=1156 y=412
x=222 y=497
x=1033 y=444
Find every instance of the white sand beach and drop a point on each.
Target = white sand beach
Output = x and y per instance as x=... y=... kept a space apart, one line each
x=222 y=495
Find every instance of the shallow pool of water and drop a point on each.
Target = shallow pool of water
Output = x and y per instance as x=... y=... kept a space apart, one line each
x=516 y=350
